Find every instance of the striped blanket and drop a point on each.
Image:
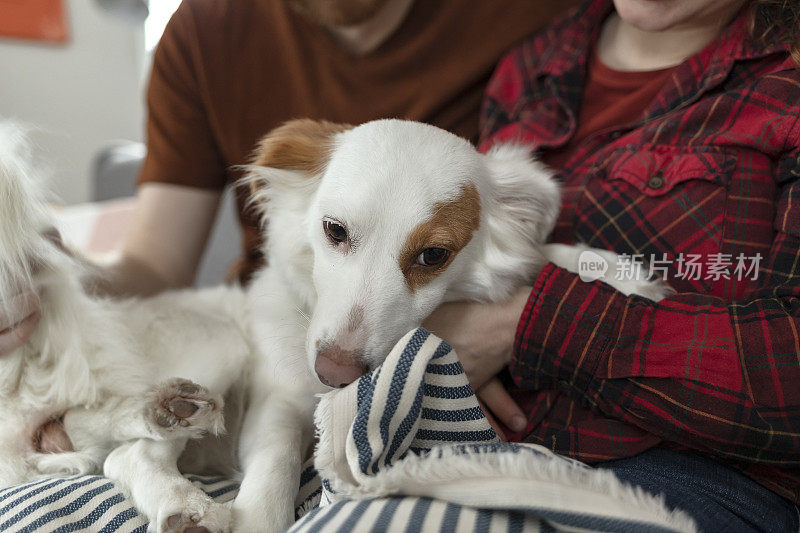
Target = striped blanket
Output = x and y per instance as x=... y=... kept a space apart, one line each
x=84 y=503
x=405 y=448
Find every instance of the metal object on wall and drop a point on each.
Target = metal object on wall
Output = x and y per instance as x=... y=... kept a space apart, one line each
x=133 y=11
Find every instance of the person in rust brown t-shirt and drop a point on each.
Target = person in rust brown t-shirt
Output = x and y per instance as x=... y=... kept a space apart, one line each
x=228 y=71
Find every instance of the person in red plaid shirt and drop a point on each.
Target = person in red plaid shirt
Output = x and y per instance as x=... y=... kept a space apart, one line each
x=674 y=128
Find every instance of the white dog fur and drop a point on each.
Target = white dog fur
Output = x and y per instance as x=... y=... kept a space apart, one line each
x=326 y=309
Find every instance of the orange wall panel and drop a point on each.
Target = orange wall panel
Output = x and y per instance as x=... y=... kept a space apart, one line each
x=42 y=20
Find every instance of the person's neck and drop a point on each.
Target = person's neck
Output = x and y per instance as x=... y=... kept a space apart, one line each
x=625 y=47
x=361 y=39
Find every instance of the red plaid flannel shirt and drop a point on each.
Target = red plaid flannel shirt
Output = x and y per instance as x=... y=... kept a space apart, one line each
x=711 y=173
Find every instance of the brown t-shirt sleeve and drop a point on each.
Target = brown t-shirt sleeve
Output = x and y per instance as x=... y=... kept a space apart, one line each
x=181 y=148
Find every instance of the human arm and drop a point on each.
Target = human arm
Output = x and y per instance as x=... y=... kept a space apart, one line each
x=710 y=374
x=182 y=177
x=482 y=335
x=165 y=242
x=162 y=250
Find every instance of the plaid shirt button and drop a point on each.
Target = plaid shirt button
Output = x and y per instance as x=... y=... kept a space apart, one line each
x=656 y=181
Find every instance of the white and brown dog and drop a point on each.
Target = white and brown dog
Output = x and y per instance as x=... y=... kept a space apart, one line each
x=369 y=229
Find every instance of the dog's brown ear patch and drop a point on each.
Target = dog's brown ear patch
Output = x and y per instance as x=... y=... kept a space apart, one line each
x=450 y=227
x=301 y=144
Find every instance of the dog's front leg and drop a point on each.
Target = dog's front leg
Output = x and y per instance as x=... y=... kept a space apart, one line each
x=275 y=435
x=147 y=471
x=609 y=268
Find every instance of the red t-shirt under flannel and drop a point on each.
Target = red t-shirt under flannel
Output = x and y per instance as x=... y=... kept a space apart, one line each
x=610 y=98
x=708 y=175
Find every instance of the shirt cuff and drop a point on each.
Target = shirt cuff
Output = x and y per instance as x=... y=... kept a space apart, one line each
x=566 y=330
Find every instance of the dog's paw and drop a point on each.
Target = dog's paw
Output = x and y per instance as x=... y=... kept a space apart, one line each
x=181 y=523
x=209 y=518
x=655 y=289
x=68 y=464
x=182 y=407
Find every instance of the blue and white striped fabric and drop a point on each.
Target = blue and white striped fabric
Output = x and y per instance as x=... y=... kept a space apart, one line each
x=84 y=503
x=409 y=513
x=93 y=503
x=407 y=448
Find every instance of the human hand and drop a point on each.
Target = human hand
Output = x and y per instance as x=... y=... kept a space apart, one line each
x=482 y=335
x=19 y=316
x=20 y=312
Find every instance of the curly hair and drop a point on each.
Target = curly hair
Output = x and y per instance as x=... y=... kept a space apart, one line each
x=782 y=16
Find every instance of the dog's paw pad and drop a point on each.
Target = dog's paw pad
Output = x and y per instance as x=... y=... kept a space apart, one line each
x=179 y=523
x=180 y=408
x=207 y=517
x=179 y=404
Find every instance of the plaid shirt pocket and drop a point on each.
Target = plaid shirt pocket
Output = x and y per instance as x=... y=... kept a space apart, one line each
x=666 y=204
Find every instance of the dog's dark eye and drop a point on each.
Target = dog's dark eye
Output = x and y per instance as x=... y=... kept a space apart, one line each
x=433 y=257
x=335 y=232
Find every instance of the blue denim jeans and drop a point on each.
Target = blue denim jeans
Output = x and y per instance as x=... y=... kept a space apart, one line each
x=717 y=497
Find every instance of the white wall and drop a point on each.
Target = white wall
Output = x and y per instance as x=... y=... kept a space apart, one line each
x=79 y=95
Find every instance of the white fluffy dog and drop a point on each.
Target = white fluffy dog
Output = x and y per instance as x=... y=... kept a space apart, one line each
x=98 y=373
x=369 y=229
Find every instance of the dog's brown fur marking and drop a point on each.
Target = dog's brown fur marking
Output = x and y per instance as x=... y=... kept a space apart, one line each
x=300 y=144
x=450 y=227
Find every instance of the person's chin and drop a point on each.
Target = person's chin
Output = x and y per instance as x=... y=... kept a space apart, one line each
x=647 y=15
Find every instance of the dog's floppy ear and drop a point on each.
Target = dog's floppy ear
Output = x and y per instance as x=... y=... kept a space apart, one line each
x=23 y=214
x=526 y=196
x=290 y=157
x=302 y=145
x=521 y=210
